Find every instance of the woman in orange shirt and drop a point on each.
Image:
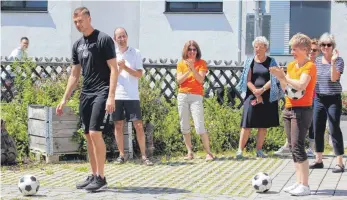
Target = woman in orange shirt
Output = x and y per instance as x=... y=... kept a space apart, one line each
x=297 y=115
x=191 y=72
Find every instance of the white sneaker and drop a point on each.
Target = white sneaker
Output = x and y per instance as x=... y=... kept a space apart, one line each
x=301 y=190
x=283 y=151
x=310 y=152
x=292 y=187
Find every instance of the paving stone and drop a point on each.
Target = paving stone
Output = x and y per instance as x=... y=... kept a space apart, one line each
x=177 y=180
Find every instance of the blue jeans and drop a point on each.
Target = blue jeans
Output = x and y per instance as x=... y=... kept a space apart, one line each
x=328 y=107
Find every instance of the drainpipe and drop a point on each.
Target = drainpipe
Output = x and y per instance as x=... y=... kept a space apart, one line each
x=257 y=28
x=240 y=31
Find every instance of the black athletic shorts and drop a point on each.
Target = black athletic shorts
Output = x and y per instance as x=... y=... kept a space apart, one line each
x=92 y=111
x=127 y=109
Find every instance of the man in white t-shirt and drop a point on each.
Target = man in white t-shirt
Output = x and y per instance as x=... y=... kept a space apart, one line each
x=127 y=94
x=20 y=52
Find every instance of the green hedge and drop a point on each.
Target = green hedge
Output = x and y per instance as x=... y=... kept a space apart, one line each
x=222 y=121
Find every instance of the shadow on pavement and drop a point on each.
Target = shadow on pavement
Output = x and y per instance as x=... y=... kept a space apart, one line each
x=332 y=193
x=146 y=190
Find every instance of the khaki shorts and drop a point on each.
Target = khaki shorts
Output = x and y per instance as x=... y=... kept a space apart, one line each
x=191 y=104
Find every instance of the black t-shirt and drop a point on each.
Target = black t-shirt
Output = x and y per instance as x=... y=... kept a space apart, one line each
x=92 y=53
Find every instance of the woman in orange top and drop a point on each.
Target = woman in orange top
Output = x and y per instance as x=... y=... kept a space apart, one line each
x=191 y=72
x=297 y=115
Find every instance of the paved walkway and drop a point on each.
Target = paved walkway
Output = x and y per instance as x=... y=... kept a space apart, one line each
x=224 y=178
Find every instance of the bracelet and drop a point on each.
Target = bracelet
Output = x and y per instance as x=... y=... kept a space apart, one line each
x=264 y=89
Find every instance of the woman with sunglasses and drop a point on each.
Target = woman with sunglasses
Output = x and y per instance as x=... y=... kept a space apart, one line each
x=313 y=56
x=328 y=104
x=191 y=72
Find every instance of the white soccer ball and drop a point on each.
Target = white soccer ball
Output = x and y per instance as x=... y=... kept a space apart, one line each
x=28 y=185
x=294 y=93
x=262 y=182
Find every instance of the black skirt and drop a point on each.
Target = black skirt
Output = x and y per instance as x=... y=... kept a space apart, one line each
x=261 y=115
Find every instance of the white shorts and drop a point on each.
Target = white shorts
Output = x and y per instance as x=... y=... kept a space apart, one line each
x=191 y=104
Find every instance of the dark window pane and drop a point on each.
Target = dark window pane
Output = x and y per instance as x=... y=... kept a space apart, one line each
x=194 y=6
x=210 y=5
x=181 y=5
x=36 y=4
x=12 y=3
x=24 y=5
x=304 y=16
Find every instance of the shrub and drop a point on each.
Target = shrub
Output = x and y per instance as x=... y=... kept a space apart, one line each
x=344 y=103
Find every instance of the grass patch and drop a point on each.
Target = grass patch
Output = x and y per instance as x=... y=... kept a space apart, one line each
x=66 y=166
x=82 y=169
x=49 y=172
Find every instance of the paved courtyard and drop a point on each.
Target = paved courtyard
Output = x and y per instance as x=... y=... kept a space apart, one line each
x=225 y=178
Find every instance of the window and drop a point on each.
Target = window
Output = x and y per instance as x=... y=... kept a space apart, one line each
x=265 y=30
x=304 y=16
x=11 y=5
x=192 y=6
x=291 y=17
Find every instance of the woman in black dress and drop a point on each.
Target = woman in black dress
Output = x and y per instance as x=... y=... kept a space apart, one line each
x=259 y=110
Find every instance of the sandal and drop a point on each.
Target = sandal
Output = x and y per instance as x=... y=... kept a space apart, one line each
x=209 y=157
x=147 y=162
x=338 y=169
x=189 y=156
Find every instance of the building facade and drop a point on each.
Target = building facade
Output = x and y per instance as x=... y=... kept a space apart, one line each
x=223 y=29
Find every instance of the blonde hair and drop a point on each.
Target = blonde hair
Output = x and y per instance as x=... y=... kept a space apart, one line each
x=327 y=38
x=302 y=41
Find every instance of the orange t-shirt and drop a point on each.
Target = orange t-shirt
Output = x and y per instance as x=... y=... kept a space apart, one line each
x=295 y=73
x=191 y=85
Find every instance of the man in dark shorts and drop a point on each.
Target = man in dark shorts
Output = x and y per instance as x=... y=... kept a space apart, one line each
x=94 y=54
x=127 y=94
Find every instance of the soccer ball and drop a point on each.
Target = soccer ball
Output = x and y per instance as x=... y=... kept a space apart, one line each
x=261 y=182
x=294 y=93
x=28 y=185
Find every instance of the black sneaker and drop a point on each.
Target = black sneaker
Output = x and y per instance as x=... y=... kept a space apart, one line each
x=120 y=160
x=86 y=182
x=97 y=184
x=316 y=165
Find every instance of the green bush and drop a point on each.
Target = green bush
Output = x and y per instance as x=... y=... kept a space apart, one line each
x=344 y=103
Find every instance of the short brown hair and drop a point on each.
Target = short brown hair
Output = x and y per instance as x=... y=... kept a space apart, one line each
x=186 y=47
x=82 y=10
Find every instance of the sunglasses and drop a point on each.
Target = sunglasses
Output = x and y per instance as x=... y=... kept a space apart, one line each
x=314 y=50
x=190 y=49
x=326 y=45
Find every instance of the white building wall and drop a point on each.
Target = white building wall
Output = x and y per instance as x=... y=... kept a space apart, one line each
x=108 y=15
x=163 y=35
x=339 y=29
x=52 y=34
x=49 y=33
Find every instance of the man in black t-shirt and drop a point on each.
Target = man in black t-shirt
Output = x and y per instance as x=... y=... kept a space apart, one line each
x=94 y=54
